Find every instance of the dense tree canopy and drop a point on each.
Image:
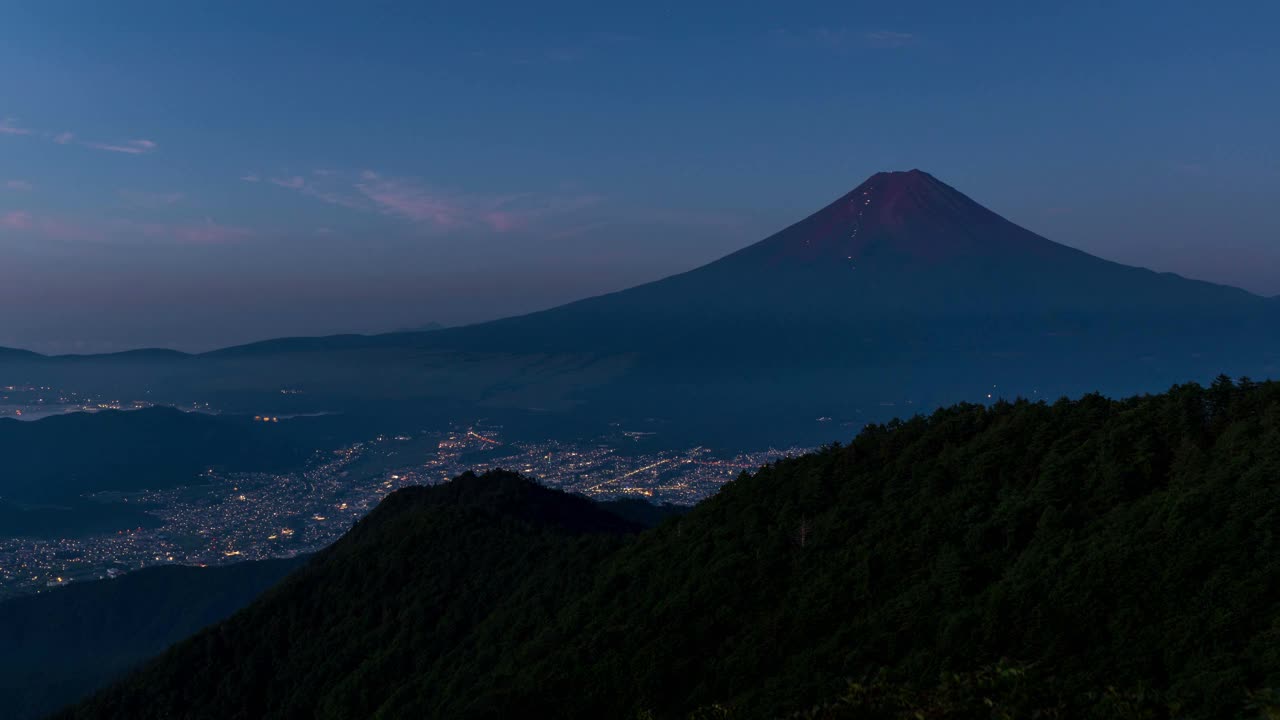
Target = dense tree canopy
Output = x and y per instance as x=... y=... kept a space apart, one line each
x=65 y=643
x=1113 y=558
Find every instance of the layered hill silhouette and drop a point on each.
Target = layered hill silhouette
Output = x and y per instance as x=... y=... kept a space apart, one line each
x=61 y=645
x=903 y=292
x=51 y=464
x=1086 y=558
x=61 y=457
x=70 y=641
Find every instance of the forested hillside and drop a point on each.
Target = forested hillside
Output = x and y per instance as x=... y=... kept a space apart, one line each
x=65 y=643
x=1086 y=558
x=60 y=457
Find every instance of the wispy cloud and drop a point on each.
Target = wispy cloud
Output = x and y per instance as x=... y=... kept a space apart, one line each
x=143 y=199
x=841 y=39
x=21 y=185
x=430 y=207
x=573 y=49
x=292 y=182
x=208 y=232
x=414 y=201
x=21 y=221
x=1190 y=167
x=251 y=177
x=9 y=126
x=123 y=231
x=563 y=212
x=552 y=56
x=130 y=147
x=888 y=39
x=16 y=220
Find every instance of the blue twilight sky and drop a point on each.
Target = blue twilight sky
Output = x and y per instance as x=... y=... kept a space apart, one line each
x=194 y=174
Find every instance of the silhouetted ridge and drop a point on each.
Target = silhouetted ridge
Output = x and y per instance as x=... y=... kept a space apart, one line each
x=1115 y=551
x=15 y=353
x=504 y=494
x=63 y=644
x=60 y=457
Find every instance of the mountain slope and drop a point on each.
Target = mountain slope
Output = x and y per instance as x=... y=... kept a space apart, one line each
x=1106 y=544
x=399 y=598
x=900 y=242
x=61 y=645
x=902 y=293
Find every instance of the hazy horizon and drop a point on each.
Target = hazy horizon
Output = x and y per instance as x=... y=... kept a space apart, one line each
x=177 y=177
x=374 y=309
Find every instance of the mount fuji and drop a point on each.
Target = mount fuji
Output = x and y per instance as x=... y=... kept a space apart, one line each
x=902 y=294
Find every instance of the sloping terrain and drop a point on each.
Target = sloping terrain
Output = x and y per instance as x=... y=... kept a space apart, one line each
x=902 y=294
x=1124 y=551
x=66 y=643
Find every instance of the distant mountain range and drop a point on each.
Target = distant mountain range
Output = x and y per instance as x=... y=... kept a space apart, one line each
x=428 y=327
x=902 y=294
x=1092 y=558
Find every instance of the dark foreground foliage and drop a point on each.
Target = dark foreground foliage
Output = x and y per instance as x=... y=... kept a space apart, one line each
x=1089 y=558
x=65 y=643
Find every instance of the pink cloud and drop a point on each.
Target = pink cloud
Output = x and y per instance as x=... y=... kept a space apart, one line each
x=119 y=230
x=503 y=221
x=16 y=220
x=8 y=126
x=324 y=188
x=17 y=185
x=52 y=228
x=425 y=205
x=414 y=202
x=131 y=147
x=206 y=233
x=433 y=208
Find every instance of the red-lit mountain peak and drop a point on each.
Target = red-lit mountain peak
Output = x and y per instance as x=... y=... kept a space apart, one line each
x=895 y=197
x=907 y=215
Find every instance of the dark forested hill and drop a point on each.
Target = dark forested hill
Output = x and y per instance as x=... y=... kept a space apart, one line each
x=47 y=466
x=66 y=643
x=1088 y=558
x=58 y=458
